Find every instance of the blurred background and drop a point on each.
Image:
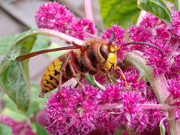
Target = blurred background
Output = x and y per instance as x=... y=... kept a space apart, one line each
x=17 y=16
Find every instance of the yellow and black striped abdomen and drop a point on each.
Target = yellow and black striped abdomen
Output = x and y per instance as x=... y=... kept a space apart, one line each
x=50 y=79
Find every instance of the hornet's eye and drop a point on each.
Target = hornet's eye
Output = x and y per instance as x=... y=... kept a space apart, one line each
x=104 y=51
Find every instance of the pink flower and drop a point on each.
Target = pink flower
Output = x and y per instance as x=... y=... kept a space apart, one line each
x=174 y=88
x=132 y=76
x=18 y=128
x=130 y=112
x=80 y=27
x=153 y=30
x=177 y=114
x=75 y=114
x=119 y=34
x=175 y=23
x=52 y=15
x=174 y=68
x=101 y=78
x=100 y=112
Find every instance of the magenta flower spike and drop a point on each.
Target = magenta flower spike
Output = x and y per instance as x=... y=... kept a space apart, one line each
x=76 y=114
x=153 y=91
x=54 y=16
x=153 y=30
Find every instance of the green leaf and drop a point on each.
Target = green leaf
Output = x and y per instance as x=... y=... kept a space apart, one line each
x=119 y=132
x=120 y=12
x=5 y=130
x=19 y=116
x=41 y=43
x=177 y=4
x=40 y=129
x=5 y=43
x=172 y=1
x=91 y=80
x=36 y=102
x=14 y=76
x=9 y=103
x=157 y=8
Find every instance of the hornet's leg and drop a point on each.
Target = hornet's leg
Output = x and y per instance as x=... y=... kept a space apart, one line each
x=63 y=69
x=108 y=75
x=122 y=75
x=75 y=76
x=82 y=76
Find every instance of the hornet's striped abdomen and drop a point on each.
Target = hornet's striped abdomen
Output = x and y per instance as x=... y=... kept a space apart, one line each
x=50 y=79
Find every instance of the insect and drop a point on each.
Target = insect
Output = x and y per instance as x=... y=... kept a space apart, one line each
x=94 y=57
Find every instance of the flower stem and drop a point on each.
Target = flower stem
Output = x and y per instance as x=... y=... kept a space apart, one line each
x=140 y=18
x=159 y=84
x=88 y=10
x=175 y=125
x=60 y=35
x=156 y=106
x=53 y=33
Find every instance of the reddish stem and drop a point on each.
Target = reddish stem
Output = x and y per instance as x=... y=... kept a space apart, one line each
x=156 y=106
x=88 y=10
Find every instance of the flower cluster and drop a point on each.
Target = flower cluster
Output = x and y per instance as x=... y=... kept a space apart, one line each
x=56 y=17
x=18 y=128
x=136 y=109
x=174 y=87
x=98 y=113
x=175 y=23
x=153 y=30
x=75 y=114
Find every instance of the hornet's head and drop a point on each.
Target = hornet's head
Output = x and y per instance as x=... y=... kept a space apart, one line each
x=109 y=53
